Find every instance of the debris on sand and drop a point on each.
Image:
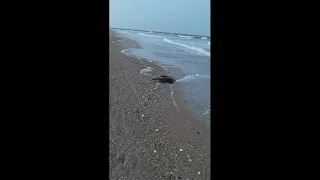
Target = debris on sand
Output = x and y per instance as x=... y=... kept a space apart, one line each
x=165 y=79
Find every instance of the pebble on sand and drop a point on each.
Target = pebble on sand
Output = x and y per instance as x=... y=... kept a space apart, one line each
x=181 y=150
x=154 y=151
x=198 y=172
x=157 y=130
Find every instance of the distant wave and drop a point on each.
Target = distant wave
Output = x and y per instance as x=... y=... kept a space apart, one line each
x=209 y=43
x=197 y=49
x=193 y=77
x=147 y=35
x=187 y=37
x=204 y=38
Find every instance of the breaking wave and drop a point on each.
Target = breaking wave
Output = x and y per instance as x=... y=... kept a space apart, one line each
x=147 y=35
x=187 y=37
x=194 y=48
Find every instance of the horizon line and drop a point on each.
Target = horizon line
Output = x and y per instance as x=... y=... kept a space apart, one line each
x=161 y=32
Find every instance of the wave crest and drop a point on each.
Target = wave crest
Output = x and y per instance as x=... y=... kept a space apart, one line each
x=147 y=35
x=187 y=37
x=194 y=48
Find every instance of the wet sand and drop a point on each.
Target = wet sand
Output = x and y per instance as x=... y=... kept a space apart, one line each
x=151 y=135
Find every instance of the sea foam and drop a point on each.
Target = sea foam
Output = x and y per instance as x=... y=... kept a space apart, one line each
x=125 y=51
x=147 y=35
x=193 y=77
x=194 y=48
x=187 y=37
x=146 y=71
x=207 y=112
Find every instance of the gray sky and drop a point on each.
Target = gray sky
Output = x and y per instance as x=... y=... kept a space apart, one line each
x=177 y=16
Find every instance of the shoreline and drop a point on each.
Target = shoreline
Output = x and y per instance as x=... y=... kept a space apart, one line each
x=149 y=138
x=177 y=73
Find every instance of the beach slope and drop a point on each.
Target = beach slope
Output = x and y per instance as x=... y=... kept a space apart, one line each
x=150 y=137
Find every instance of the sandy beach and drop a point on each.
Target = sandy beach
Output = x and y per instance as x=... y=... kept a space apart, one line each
x=151 y=135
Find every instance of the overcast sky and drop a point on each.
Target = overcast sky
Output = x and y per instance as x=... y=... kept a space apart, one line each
x=177 y=16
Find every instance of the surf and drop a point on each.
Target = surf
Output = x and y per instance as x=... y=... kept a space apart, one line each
x=147 y=35
x=187 y=37
x=193 y=77
x=193 y=48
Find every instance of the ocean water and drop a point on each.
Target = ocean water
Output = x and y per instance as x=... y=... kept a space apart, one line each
x=189 y=53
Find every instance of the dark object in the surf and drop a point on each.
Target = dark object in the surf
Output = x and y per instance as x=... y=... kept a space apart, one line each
x=165 y=79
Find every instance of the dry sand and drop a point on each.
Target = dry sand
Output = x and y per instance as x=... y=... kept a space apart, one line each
x=150 y=137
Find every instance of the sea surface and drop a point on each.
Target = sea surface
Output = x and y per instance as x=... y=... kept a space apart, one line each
x=189 y=53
